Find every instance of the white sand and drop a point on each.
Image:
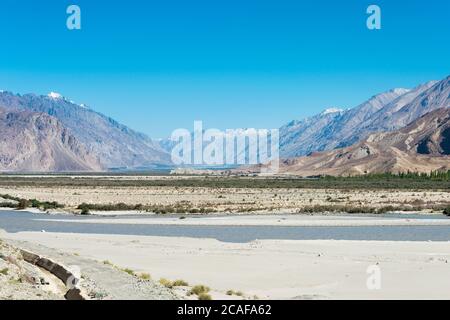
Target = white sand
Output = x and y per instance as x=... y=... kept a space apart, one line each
x=270 y=220
x=274 y=269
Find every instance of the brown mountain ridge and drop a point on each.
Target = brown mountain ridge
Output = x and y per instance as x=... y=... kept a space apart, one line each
x=422 y=146
x=38 y=142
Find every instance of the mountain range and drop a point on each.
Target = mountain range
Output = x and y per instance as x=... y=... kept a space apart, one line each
x=115 y=145
x=387 y=111
x=422 y=146
x=32 y=141
x=52 y=133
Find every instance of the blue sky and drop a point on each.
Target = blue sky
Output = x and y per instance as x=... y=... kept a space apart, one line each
x=160 y=65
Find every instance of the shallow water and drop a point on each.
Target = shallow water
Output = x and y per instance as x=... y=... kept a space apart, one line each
x=13 y=221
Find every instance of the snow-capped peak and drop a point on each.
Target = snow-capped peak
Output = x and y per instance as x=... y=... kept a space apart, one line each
x=400 y=91
x=55 y=95
x=332 y=110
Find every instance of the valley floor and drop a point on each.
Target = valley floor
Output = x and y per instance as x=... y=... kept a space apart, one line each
x=234 y=200
x=335 y=260
x=251 y=268
x=273 y=269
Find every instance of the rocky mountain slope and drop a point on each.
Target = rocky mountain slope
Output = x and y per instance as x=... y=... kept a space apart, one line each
x=32 y=141
x=384 y=112
x=422 y=146
x=116 y=145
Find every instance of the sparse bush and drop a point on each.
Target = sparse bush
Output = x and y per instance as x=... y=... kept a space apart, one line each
x=166 y=283
x=129 y=271
x=50 y=205
x=360 y=209
x=158 y=209
x=9 y=197
x=4 y=271
x=199 y=289
x=45 y=205
x=204 y=296
x=447 y=211
x=235 y=293
x=8 y=205
x=180 y=283
x=23 y=204
x=84 y=207
x=145 y=276
x=99 y=295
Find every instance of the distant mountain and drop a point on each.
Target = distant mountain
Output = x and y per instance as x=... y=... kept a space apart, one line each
x=116 y=145
x=387 y=111
x=119 y=147
x=422 y=146
x=31 y=141
x=305 y=136
x=435 y=97
x=386 y=118
x=337 y=128
x=329 y=130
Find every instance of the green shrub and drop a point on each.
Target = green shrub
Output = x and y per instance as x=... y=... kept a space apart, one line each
x=45 y=205
x=24 y=203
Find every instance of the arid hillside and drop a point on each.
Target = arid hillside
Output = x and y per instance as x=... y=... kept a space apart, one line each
x=32 y=141
x=422 y=146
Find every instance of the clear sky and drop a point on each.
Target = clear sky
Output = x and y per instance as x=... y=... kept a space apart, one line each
x=160 y=65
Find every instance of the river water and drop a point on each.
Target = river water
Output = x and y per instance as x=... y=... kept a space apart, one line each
x=14 y=221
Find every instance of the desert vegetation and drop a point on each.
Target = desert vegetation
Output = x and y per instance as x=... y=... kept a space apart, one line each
x=433 y=181
x=21 y=203
x=368 y=209
x=86 y=208
x=447 y=211
x=201 y=291
x=172 y=284
x=380 y=193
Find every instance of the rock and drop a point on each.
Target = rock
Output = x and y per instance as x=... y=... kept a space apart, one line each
x=74 y=294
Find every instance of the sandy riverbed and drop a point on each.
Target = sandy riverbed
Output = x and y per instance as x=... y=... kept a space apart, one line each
x=273 y=269
x=230 y=199
x=332 y=220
